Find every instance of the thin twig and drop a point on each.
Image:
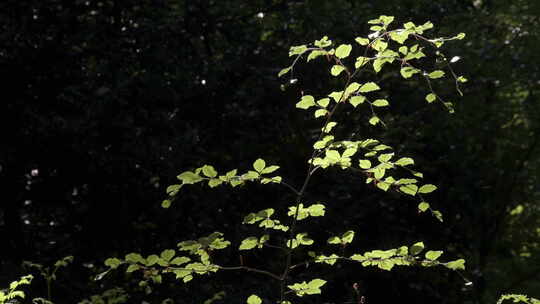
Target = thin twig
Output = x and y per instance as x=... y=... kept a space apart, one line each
x=290 y=187
x=250 y=269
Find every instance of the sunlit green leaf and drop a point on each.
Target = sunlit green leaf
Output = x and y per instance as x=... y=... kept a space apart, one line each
x=328 y=128
x=378 y=172
x=151 y=260
x=383 y=185
x=334 y=240
x=292 y=243
x=385 y=157
x=403 y=50
x=433 y=255
x=347 y=237
x=306 y=102
x=406 y=181
x=300 y=212
x=361 y=61
x=349 y=152
x=323 y=142
x=189 y=177
x=250 y=175
x=336 y=96
x=249 y=243
x=254 y=299
x=409 y=25
x=167 y=254
x=284 y=71
x=379 y=45
x=323 y=42
x=436 y=74
x=315 y=53
x=172 y=190
x=166 y=203
x=374 y=120
x=320 y=112
x=456 y=265
x=113 y=262
x=431 y=97
x=416 y=248
x=399 y=36
x=14 y=294
x=180 y=260
x=132 y=268
x=313 y=287
x=426 y=26
x=404 y=161
x=427 y=188
x=386 y=20
x=358 y=257
x=259 y=165
x=369 y=87
x=316 y=210
x=407 y=72
x=377 y=64
x=303 y=239
x=386 y=264
x=352 y=88
x=336 y=70
x=297 y=50
x=316 y=283
x=362 y=41
x=380 y=103
x=423 y=206
x=323 y=102
x=343 y=51
x=437 y=215
x=356 y=100
x=330 y=260
x=134 y=258
x=365 y=164
x=409 y=189
x=214 y=182
x=269 y=169
x=332 y=155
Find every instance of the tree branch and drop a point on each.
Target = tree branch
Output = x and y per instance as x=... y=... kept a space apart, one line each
x=250 y=269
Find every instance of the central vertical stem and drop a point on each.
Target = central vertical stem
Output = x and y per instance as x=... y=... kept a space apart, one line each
x=299 y=197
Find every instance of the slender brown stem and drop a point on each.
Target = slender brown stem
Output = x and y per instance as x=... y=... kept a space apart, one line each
x=214 y=267
x=49 y=289
x=310 y=171
x=290 y=187
x=274 y=246
x=250 y=269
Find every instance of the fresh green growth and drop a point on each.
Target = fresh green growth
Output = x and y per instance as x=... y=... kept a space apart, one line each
x=216 y=297
x=517 y=298
x=110 y=296
x=13 y=292
x=49 y=274
x=406 y=47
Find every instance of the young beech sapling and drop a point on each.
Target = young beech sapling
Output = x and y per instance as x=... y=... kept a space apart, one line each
x=407 y=48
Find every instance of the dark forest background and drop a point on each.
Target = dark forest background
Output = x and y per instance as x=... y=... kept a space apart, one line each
x=105 y=102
